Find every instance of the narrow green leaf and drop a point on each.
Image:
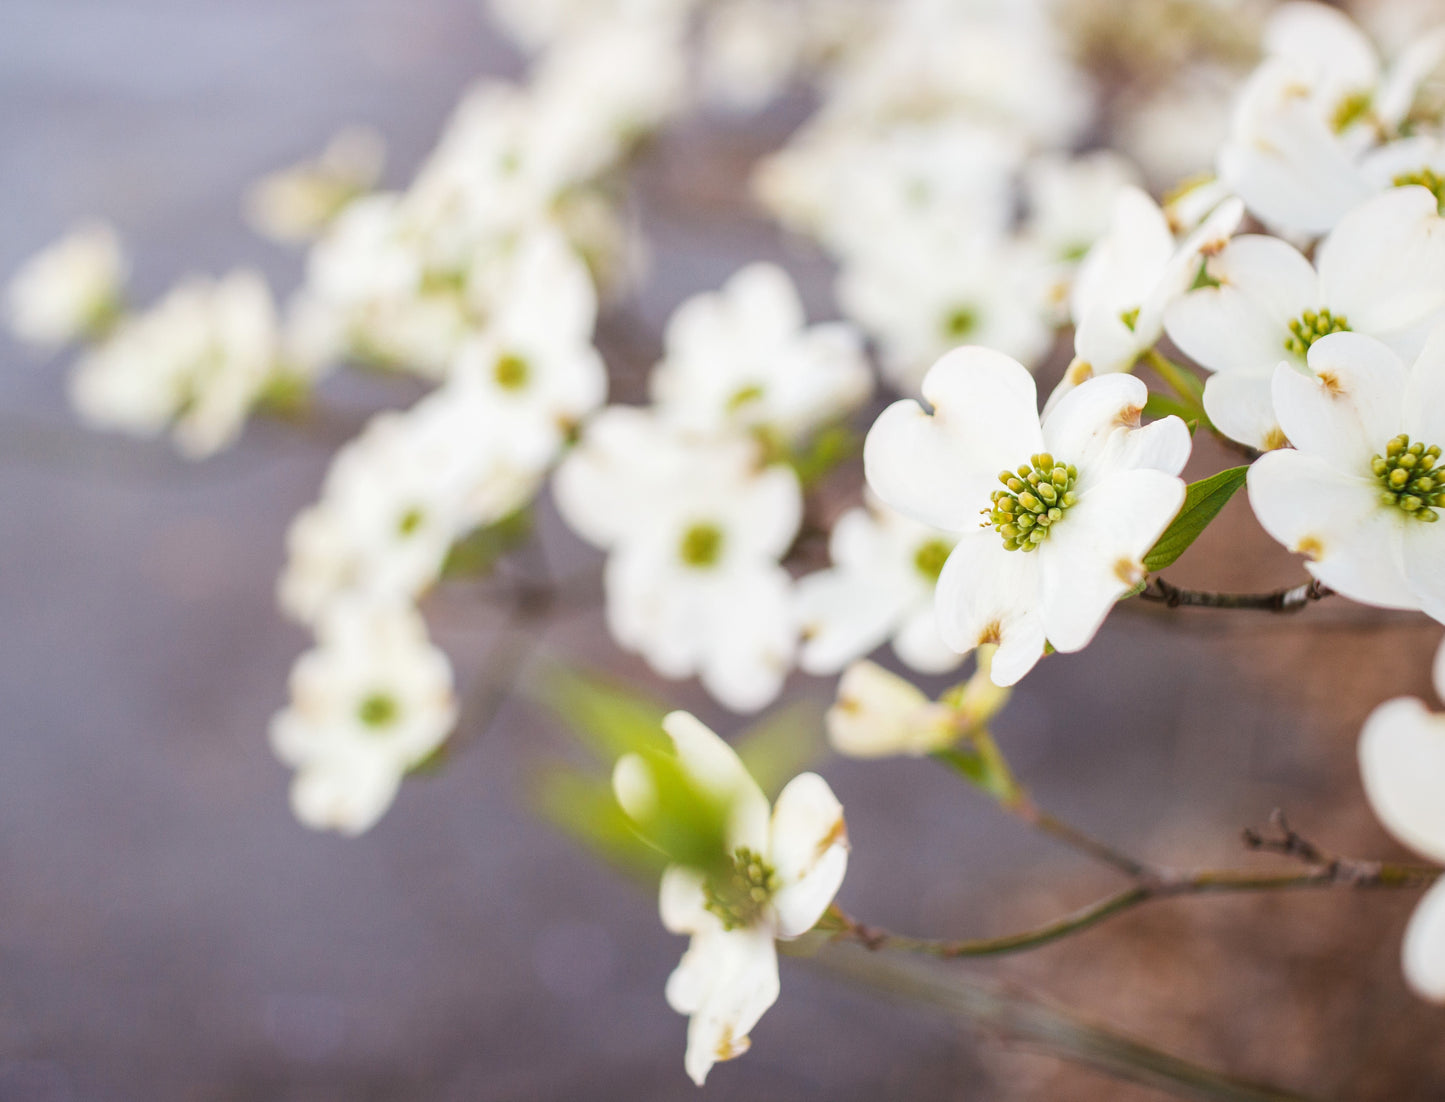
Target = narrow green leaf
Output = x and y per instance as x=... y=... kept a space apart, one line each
x=783 y=744
x=1202 y=503
x=585 y=810
x=608 y=719
x=475 y=554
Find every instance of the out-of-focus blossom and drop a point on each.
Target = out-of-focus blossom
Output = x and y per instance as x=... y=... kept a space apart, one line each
x=1081 y=500
x=1361 y=496
x=1306 y=124
x=195 y=363
x=69 y=291
x=297 y=203
x=880 y=587
x=695 y=531
x=751 y=50
x=539 y=23
x=781 y=869
x=878 y=715
x=1402 y=763
x=370 y=702
x=1381 y=271
x=743 y=359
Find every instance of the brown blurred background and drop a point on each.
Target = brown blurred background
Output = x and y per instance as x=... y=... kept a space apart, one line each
x=167 y=932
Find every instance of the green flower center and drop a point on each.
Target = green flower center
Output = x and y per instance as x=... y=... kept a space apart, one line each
x=739 y=894
x=1426 y=178
x=1310 y=327
x=1351 y=110
x=960 y=322
x=929 y=559
x=378 y=711
x=410 y=521
x=746 y=396
x=1409 y=479
x=512 y=371
x=701 y=545
x=1130 y=318
x=1033 y=500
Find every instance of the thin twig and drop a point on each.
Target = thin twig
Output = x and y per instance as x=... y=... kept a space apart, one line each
x=1280 y=600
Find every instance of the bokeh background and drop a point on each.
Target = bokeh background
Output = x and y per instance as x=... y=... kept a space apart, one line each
x=168 y=932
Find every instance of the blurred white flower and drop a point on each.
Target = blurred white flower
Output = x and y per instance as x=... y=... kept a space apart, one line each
x=1066 y=526
x=1402 y=764
x=1381 y=271
x=1362 y=495
x=69 y=291
x=878 y=715
x=783 y=866
x=197 y=362
x=1313 y=110
x=370 y=702
x=297 y=203
x=1131 y=276
x=695 y=531
x=535 y=24
x=750 y=51
x=881 y=586
x=743 y=358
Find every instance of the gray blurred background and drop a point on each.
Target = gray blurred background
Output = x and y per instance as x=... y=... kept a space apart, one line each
x=167 y=932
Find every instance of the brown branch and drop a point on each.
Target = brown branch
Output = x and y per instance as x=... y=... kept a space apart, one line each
x=1280 y=600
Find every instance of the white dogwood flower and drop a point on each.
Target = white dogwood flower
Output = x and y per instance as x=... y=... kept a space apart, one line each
x=197 y=363
x=881 y=586
x=781 y=870
x=1306 y=124
x=1381 y=271
x=1081 y=499
x=1362 y=494
x=370 y=702
x=297 y=203
x=1131 y=276
x=695 y=531
x=743 y=358
x=1402 y=763
x=68 y=291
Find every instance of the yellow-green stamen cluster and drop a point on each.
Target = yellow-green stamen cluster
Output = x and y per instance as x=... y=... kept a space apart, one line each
x=738 y=895
x=1033 y=500
x=928 y=560
x=410 y=521
x=378 y=711
x=1310 y=327
x=1426 y=178
x=960 y=322
x=512 y=371
x=1410 y=480
x=701 y=545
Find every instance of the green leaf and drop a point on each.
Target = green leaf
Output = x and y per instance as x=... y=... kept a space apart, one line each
x=583 y=808
x=783 y=744
x=1160 y=406
x=609 y=719
x=476 y=553
x=830 y=447
x=1202 y=503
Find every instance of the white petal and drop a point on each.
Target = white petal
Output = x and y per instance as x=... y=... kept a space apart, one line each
x=844 y=615
x=1163 y=445
x=1402 y=764
x=714 y=765
x=920 y=646
x=1081 y=424
x=1338 y=521
x=809 y=853
x=740 y=968
x=1423 y=953
x=1095 y=555
x=683 y=905
x=751 y=635
x=988 y=594
x=1350 y=408
x=347 y=795
x=1439 y=672
x=1318 y=35
x=1240 y=404
x=1383 y=267
x=879 y=714
x=1425 y=394
x=1422 y=552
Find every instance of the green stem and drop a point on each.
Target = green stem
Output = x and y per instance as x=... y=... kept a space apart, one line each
x=1050 y=1029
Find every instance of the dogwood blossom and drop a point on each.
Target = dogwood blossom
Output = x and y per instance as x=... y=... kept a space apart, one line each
x=197 y=362
x=742 y=359
x=878 y=714
x=780 y=872
x=1312 y=113
x=1381 y=271
x=1402 y=764
x=70 y=290
x=695 y=530
x=1362 y=494
x=369 y=703
x=1131 y=276
x=881 y=586
x=295 y=204
x=1081 y=500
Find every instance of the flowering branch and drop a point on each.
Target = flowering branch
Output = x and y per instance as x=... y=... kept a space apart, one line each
x=1280 y=600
